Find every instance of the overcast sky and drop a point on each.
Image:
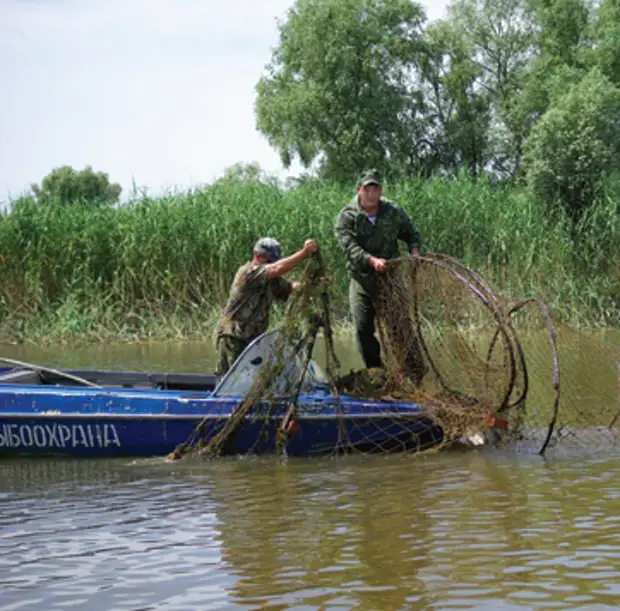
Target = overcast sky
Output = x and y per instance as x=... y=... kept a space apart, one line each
x=156 y=91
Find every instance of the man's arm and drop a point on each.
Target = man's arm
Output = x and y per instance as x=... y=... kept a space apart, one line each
x=285 y=265
x=345 y=234
x=347 y=238
x=408 y=233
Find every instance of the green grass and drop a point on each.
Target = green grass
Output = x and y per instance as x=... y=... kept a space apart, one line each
x=160 y=267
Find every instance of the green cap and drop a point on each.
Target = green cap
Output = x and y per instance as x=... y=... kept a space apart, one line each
x=370 y=177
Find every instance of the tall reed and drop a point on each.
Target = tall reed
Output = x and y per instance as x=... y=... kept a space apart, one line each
x=129 y=270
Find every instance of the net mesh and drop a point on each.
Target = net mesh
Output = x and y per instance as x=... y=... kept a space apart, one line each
x=452 y=347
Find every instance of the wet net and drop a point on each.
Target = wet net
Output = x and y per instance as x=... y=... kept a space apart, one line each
x=461 y=364
x=497 y=371
x=272 y=395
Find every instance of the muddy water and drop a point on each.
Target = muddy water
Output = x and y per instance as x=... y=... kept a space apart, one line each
x=454 y=530
x=460 y=529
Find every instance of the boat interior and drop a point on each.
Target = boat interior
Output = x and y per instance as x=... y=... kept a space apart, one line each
x=116 y=379
x=307 y=376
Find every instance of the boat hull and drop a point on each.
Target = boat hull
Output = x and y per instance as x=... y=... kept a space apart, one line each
x=87 y=422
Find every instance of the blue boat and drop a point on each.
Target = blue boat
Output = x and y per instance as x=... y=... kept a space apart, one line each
x=46 y=411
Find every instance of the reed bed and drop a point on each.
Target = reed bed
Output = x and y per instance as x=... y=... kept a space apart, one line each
x=160 y=267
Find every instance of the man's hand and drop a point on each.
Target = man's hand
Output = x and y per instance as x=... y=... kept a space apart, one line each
x=310 y=247
x=415 y=252
x=377 y=264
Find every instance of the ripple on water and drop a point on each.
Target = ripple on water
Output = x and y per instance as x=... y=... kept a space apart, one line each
x=444 y=531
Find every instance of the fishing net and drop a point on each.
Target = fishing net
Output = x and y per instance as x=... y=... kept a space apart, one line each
x=572 y=400
x=477 y=367
x=306 y=314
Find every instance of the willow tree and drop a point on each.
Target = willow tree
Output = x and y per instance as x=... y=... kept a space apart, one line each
x=575 y=143
x=340 y=91
x=456 y=106
x=67 y=185
x=605 y=31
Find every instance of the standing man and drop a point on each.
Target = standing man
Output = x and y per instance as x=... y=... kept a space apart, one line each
x=257 y=283
x=368 y=229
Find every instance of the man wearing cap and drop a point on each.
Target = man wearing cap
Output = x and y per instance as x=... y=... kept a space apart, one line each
x=368 y=229
x=256 y=284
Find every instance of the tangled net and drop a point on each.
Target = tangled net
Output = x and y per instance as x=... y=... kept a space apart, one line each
x=306 y=313
x=481 y=369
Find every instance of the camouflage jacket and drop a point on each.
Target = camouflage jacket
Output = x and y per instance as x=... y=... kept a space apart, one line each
x=360 y=239
x=246 y=314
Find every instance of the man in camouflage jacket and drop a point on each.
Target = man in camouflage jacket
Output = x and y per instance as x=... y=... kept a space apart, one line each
x=256 y=284
x=368 y=229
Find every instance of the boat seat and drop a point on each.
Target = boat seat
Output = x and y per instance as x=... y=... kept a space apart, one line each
x=21 y=376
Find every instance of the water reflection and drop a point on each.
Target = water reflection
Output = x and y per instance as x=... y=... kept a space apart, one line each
x=433 y=530
x=338 y=536
x=449 y=530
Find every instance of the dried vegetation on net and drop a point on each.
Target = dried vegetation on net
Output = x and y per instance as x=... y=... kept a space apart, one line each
x=478 y=366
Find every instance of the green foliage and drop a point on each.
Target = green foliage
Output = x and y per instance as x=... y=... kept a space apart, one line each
x=558 y=33
x=162 y=267
x=500 y=33
x=562 y=27
x=501 y=39
x=457 y=109
x=359 y=83
x=68 y=186
x=575 y=143
x=245 y=172
x=338 y=90
x=525 y=92
x=605 y=31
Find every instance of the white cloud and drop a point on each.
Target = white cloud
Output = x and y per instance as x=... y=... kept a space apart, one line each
x=159 y=90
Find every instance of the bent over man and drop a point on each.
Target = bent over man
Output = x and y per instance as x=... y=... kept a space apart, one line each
x=368 y=229
x=256 y=284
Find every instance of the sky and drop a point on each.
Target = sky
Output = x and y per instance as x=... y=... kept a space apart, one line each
x=157 y=93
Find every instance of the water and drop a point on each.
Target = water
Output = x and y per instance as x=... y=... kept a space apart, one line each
x=452 y=530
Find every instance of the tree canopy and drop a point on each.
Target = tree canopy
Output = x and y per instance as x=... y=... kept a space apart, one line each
x=68 y=185
x=338 y=90
x=493 y=88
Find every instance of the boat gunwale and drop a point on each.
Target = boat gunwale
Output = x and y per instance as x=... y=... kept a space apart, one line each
x=301 y=416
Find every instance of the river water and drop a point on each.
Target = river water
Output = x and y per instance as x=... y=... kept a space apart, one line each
x=462 y=529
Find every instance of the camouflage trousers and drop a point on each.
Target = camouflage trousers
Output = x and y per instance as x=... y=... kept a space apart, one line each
x=228 y=350
x=362 y=307
x=396 y=325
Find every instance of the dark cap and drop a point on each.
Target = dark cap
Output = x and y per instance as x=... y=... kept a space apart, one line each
x=370 y=177
x=269 y=248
